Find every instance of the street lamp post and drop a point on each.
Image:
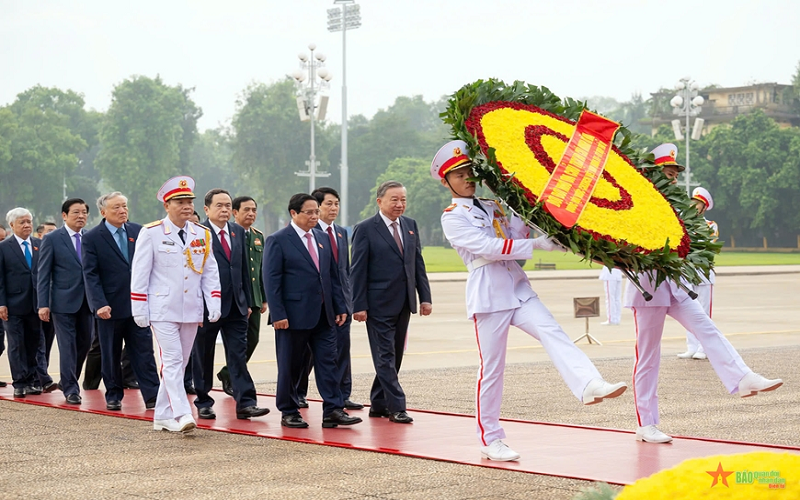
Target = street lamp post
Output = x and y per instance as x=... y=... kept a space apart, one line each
x=308 y=86
x=687 y=103
x=342 y=20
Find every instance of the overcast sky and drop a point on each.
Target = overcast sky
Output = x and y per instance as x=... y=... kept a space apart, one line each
x=404 y=47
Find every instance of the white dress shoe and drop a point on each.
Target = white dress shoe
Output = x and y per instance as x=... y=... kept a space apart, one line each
x=186 y=423
x=699 y=355
x=686 y=355
x=753 y=383
x=598 y=389
x=169 y=424
x=651 y=434
x=499 y=452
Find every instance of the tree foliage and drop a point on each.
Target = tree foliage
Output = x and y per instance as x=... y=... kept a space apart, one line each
x=146 y=138
x=42 y=134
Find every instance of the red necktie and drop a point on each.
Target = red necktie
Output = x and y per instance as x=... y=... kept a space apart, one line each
x=225 y=247
x=311 y=250
x=333 y=244
x=396 y=236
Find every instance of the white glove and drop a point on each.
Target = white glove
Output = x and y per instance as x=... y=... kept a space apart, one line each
x=546 y=243
x=142 y=321
x=213 y=316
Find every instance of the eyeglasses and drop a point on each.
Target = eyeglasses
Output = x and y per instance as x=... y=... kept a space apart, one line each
x=309 y=212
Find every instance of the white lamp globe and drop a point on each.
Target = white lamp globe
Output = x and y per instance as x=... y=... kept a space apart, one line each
x=698 y=100
x=676 y=102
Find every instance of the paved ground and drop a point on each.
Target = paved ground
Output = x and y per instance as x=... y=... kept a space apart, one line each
x=47 y=453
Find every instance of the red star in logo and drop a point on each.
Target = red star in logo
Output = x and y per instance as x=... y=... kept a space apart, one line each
x=719 y=474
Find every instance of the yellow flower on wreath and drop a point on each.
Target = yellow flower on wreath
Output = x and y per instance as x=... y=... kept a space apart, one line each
x=748 y=476
x=647 y=224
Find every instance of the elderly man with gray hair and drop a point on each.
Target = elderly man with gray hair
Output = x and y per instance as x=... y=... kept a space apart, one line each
x=107 y=255
x=19 y=257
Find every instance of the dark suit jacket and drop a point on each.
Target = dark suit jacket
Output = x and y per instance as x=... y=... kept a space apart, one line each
x=60 y=281
x=17 y=280
x=295 y=289
x=234 y=275
x=343 y=245
x=106 y=273
x=382 y=278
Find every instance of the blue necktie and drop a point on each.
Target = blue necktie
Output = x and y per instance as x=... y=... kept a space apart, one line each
x=28 y=255
x=123 y=245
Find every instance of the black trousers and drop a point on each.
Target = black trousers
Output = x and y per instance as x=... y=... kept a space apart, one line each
x=43 y=353
x=74 y=336
x=387 y=338
x=289 y=346
x=93 y=373
x=234 y=340
x=139 y=344
x=253 y=329
x=343 y=374
x=24 y=337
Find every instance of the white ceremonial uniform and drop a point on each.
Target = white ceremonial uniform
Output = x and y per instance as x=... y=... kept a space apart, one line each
x=613 y=288
x=649 y=317
x=169 y=280
x=705 y=292
x=499 y=295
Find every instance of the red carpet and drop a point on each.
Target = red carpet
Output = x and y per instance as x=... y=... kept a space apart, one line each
x=590 y=453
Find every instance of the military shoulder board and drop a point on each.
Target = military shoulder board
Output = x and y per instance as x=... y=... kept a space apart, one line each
x=154 y=223
x=451 y=207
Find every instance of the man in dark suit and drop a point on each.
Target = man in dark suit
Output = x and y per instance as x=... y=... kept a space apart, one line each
x=108 y=251
x=228 y=243
x=19 y=257
x=306 y=303
x=328 y=199
x=61 y=291
x=388 y=272
x=245 y=211
x=48 y=331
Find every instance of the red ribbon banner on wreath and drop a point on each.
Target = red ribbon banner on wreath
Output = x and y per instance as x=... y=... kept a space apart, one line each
x=573 y=181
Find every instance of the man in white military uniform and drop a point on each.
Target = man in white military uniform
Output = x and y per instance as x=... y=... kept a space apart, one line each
x=613 y=288
x=670 y=299
x=173 y=269
x=499 y=295
x=703 y=201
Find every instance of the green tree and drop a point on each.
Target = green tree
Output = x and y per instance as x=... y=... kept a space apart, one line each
x=40 y=143
x=146 y=138
x=210 y=161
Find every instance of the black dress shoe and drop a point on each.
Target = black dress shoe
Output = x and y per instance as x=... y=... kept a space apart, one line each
x=227 y=387
x=131 y=384
x=295 y=421
x=33 y=389
x=150 y=404
x=3 y=384
x=206 y=413
x=113 y=405
x=73 y=399
x=52 y=386
x=19 y=392
x=400 y=417
x=339 y=417
x=251 y=411
x=352 y=405
x=190 y=390
x=379 y=413
x=302 y=402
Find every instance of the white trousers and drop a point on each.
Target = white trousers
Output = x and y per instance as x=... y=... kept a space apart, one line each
x=491 y=331
x=175 y=341
x=649 y=321
x=613 y=290
x=704 y=297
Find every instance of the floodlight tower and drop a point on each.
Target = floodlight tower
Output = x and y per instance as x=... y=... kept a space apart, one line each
x=688 y=103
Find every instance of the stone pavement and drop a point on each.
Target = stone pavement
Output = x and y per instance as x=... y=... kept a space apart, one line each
x=48 y=453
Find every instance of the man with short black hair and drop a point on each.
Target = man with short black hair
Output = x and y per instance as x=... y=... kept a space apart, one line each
x=61 y=291
x=306 y=304
x=328 y=199
x=228 y=243
x=245 y=211
x=388 y=274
